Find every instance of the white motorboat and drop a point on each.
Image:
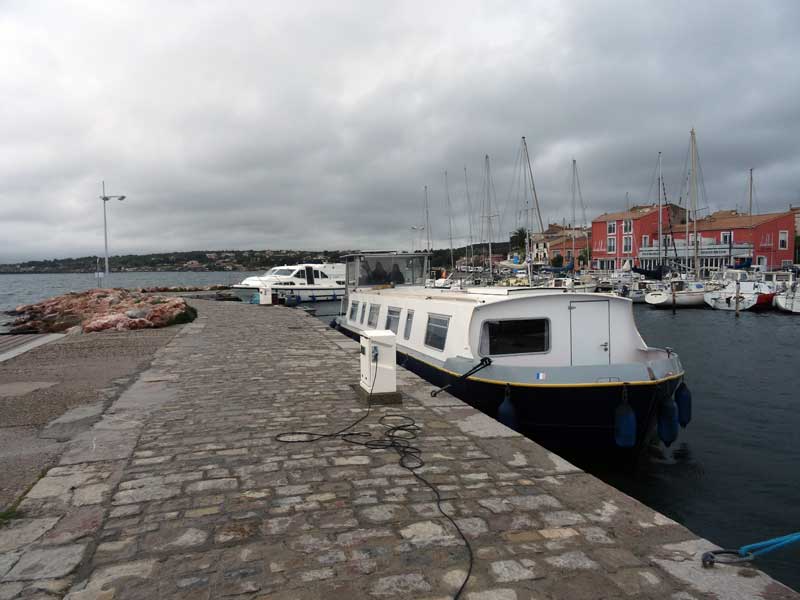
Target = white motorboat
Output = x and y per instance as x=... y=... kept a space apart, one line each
x=298 y=283
x=789 y=299
x=572 y=367
x=680 y=293
x=741 y=292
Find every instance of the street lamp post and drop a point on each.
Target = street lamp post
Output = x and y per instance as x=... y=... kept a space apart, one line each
x=105 y=199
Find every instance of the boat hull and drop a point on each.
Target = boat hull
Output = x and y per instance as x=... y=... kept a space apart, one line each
x=727 y=301
x=663 y=299
x=564 y=417
x=788 y=302
x=579 y=417
x=250 y=294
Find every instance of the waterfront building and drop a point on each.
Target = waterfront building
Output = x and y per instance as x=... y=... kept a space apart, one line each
x=723 y=238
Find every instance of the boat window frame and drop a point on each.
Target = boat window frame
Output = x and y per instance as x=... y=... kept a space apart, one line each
x=408 y=324
x=370 y=321
x=446 y=329
x=353 y=312
x=363 y=312
x=388 y=313
x=484 y=335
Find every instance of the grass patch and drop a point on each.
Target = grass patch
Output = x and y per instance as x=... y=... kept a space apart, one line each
x=6 y=516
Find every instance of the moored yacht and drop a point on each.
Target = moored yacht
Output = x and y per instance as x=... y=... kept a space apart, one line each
x=302 y=283
x=571 y=366
x=742 y=291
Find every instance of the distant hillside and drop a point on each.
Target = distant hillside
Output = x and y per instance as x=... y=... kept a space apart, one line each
x=215 y=260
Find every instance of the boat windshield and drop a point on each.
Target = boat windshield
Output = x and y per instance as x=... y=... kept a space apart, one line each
x=387 y=270
x=282 y=272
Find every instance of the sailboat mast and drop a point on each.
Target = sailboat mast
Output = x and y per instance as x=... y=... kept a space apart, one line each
x=469 y=218
x=489 y=212
x=533 y=185
x=693 y=192
x=660 y=228
x=449 y=220
x=574 y=189
x=427 y=220
x=750 y=210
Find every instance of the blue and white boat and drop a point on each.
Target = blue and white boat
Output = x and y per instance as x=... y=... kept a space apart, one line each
x=569 y=366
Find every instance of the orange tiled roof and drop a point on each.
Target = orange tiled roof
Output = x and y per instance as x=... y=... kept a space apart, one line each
x=634 y=213
x=727 y=219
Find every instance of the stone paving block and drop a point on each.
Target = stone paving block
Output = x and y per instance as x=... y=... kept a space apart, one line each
x=46 y=563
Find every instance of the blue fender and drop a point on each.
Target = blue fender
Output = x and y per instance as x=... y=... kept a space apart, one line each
x=668 y=421
x=625 y=425
x=683 y=398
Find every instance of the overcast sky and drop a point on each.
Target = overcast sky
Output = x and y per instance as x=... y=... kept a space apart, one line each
x=316 y=125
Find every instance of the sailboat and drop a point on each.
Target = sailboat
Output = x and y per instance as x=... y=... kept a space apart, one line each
x=680 y=292
x=789 y=300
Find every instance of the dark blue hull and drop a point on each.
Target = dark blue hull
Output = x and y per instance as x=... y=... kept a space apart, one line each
x=574 y=417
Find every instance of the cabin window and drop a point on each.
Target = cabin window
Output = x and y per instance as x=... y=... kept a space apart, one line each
x=612 y=244
x=393 y=319
x=627 y=244
x=409 y=321
x=436 y=332
x=783 y=240
x=321 y=275
x=299 y=275
x=627 y=226
x=516 y=336
x=612 y=228
x=645 y=241
x=372 y=320
x=316 y=274
x=363 y=311
x=353 y=310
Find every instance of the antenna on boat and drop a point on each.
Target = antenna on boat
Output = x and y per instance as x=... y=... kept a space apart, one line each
x=533 y=185
x=449 y=221
x=574 y=189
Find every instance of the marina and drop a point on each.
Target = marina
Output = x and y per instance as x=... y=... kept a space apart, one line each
x=191 y=491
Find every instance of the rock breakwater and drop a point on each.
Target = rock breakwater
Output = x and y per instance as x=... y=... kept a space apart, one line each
x=100 y=310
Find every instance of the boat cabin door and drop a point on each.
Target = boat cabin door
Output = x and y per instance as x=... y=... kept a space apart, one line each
x=309 y=275
x=590 y=332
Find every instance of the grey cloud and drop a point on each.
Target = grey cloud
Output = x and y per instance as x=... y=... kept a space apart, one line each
x=307 y=126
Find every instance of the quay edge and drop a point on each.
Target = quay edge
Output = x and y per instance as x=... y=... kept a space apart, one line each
x=182 y=490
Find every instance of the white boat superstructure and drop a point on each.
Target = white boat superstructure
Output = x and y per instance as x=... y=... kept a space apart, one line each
x=303 y=282
x=582 y=284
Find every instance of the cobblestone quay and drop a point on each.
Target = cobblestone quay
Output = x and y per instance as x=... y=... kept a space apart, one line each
x=181 y=490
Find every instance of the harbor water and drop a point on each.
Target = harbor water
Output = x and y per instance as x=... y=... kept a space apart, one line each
x=732 y=476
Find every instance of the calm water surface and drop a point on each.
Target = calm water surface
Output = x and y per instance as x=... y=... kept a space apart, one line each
x=732 y=476
x=25 y=289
